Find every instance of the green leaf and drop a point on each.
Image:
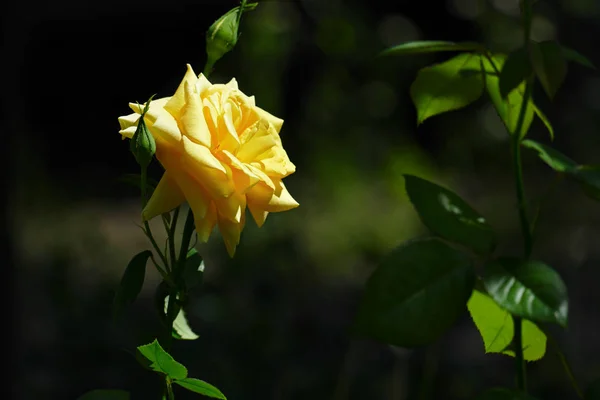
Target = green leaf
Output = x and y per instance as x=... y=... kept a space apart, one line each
x=555 y=159
x=180 y=325
x=449 y=216
x=193 y=270
x=131 y=282
x=416 y=294
x=515 y=71
x=508 y=108
x=545 y=121
x=429 y=46
x=497 y=328
x=161 y=361
x=593 y=391
x=572 y=55
x=529 y=289
x=549 y=65
x=447 y=86
x=198 y=386
x=101 y=394
x=503 y=394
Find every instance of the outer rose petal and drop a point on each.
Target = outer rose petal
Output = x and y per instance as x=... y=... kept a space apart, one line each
x=231 y=208
x=276 y=122
x=176 y=102
x=243 y=176
x=262 y=199
x=192 y=117
x=231 y=232
x=205 y=226
x=166 y=197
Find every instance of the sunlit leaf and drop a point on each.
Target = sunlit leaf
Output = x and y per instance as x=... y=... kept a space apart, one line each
x=544 y=120
x=416 y=294
x=529 y=289
x=180 y=325
x=447 y=86
x=497 y=329
x=553 y=158
x=449 y=216
x=161 y=361
x=201 y=387
x=429 y=46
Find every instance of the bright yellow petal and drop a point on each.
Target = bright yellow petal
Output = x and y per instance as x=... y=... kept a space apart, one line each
x=243 y=176
x=256 y=140
x=200 y=163
x=192 y=117
x=176 y=102
x=166 y=197
x=165 y=129
x=231 y=232
x=205 y=226
x=232 y=207
x=232 y=84
x=197 y=198
x=262 y=197
x=273 y=120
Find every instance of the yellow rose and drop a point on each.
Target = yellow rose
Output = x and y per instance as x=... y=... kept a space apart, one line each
x=221 y=153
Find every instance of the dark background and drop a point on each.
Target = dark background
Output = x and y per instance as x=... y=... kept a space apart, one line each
x=273 y=321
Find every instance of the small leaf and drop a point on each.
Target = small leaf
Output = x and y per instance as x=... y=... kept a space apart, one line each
x=508 y=108
x=198 y=386
x=131 y=282
x=161 y=361
x=593 y=391
x=193 y=270
x=449 y=216
x=515 y=71
x=574 y=56
x=497 y=329
x=447 y=86
x=503 y=394
x=429 y=46
x=549 y=65
x=102 y=394
x=529 y=289
x=555 y=159
x=545 y=121
x=416 y=294
x=180 y=325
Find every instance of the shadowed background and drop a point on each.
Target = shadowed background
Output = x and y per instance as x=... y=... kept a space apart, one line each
x=273 y=321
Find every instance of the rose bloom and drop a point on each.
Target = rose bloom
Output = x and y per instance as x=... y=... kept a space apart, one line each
x=221 y=153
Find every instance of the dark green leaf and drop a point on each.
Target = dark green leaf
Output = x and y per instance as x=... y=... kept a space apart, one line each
x=429 y=46
x=193 y=270
x=447 y=86
x=508 y=108
x=131 y=282
x=503 y=394
x=593 y=391
x=529 y=289
x=555 y=159
x=101 y=394
x=161 y=361
x=449 y=216
x=574 y=56
x=497 y=329
x=416 y=294
x=515 y=71
x=588 y=177
x=198 y=386
x=549 y=65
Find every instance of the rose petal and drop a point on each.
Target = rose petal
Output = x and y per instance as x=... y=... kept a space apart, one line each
x=166 y=197
x=192 y=117
x=205 y=226
x=232 y=207
x=273 y=120
x=231 y=232
x=243 y=176
x=262 y=199
x=176 y=102
x=194 y=193
x=200 y=163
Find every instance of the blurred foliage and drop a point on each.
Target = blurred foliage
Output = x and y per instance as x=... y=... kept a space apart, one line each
x=273 y=321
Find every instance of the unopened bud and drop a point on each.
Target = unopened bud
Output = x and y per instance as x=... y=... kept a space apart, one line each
x=142 y=143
